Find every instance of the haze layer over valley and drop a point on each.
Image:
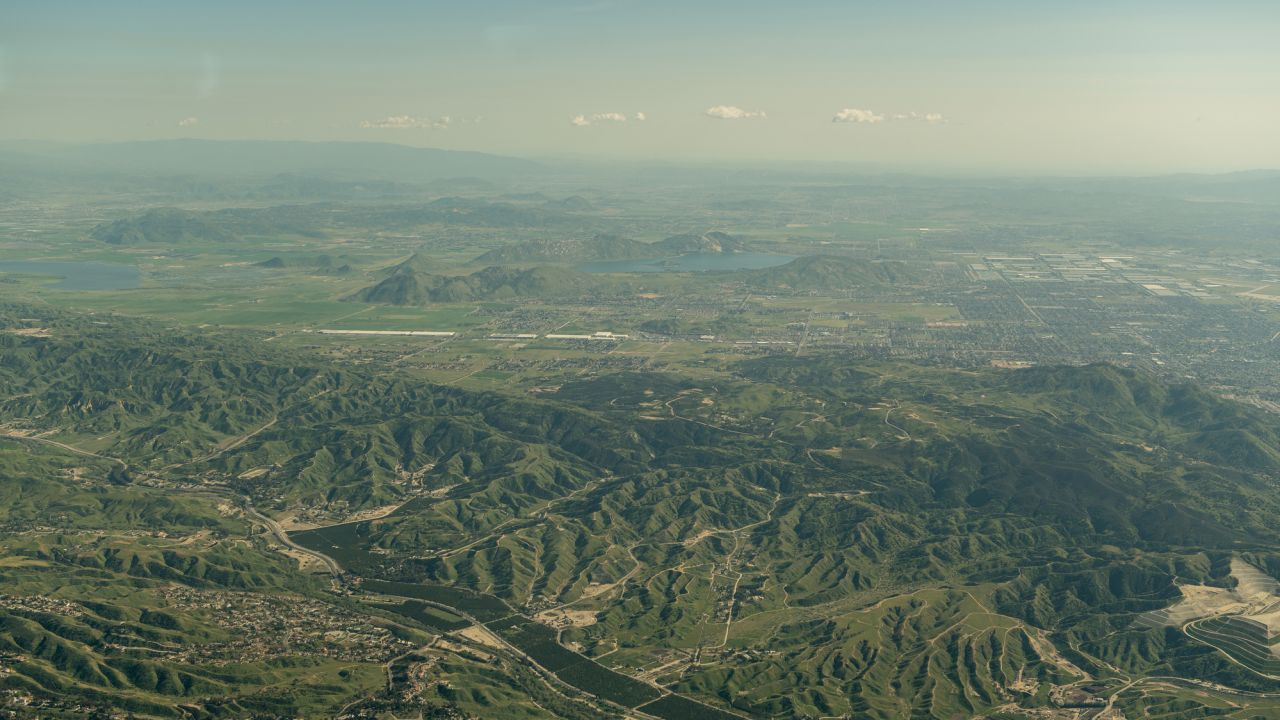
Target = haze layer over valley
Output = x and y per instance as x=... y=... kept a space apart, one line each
x=639 y=360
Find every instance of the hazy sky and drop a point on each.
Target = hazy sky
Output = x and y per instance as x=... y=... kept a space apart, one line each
x=1027 y=86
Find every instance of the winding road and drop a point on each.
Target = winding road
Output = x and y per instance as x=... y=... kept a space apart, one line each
x=283 y=537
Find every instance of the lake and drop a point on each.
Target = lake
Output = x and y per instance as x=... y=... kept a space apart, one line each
x=78 y=275
x=693 y=262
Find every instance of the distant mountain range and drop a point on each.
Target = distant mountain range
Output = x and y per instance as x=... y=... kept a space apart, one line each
x=417 y=280
x=177 y=226
x=384 y=162
x=168 y=225
x=611 y=247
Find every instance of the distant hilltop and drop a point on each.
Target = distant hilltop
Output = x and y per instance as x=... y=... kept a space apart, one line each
x=381 y=162
x=833 y=272
x=177 y=226
x=409 y=284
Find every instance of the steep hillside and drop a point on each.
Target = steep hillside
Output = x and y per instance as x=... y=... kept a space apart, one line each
x=709 y=242
x=164 y=225
x=407 y=286
x=598 y=247
x=886 y=541
x=321 y=264
x=418 y=262
x=178 y=227
x=831 y=272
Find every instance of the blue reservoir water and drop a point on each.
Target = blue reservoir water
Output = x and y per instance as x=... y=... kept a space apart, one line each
x=78 y=275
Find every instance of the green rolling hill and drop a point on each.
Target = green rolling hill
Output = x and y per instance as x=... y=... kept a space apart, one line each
x=831 y=272
x=888 y=541
x=407 y=285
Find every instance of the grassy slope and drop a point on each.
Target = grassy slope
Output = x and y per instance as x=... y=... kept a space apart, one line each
x=1003 y=527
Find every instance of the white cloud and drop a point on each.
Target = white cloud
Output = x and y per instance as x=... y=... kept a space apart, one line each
x=732 y=112
x=188 y=121
x=641 y=117
x=408 y=122
x=931 y=118
x=854 y=115
x=606 y=117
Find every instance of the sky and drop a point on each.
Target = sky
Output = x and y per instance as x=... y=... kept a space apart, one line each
x=1082 y=87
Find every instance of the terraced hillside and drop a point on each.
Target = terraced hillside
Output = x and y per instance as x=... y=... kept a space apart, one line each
x=1245 y=641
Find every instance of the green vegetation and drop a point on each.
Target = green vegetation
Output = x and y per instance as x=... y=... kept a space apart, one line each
x=170 y=226
x=155 y=625
x=812 y=490
x=675 y=707
x=429 y=616
x=889 y=539
x=831 y=272
x=539 y=643
x=165 y=224
x=478 y=605
x=408 y=287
